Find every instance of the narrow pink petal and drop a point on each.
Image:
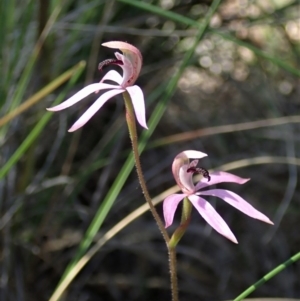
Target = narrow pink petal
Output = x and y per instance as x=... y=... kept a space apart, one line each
x=220 y=177
x=239 y=203
x=212 y=217
x=81 y=94
x=91 y=111
x=138 y=102
x=113 y=76
x=169 y=207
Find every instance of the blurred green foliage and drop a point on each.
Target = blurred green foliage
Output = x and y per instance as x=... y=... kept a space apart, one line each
x=244 y=68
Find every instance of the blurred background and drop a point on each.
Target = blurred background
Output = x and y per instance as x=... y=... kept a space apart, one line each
x=237 y=98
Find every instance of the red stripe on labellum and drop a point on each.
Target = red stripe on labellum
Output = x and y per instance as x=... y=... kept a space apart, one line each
x=109 y=62
x=200 y=170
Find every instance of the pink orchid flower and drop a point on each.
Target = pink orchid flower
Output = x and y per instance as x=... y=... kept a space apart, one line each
x=183 y=172
x=131 y=63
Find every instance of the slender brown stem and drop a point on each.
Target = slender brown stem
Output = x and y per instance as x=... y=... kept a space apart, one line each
x=130 y=118
x=173 y=273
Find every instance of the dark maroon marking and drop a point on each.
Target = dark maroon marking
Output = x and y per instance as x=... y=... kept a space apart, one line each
x=109 y=62
x=201 y=171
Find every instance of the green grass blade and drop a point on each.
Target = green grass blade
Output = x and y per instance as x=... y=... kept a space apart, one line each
x=36 y=131
x=15 y=47
x=21 y=87
x=189 y=22
x=267 y=277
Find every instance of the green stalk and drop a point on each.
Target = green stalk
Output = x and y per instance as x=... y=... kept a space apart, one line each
x=185 y=221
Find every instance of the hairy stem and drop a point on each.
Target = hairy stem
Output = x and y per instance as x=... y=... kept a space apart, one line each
x=173 y=273
x=130 y=118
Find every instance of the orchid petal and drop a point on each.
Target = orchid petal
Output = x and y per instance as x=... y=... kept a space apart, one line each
x=169 y=207
x=192 y=154
x=122 y=46
x=113 y=76
x=220 y=177
x=239 y=203
x=138 y=102
x=82 y=94
x=212 y=217
x=91 y=111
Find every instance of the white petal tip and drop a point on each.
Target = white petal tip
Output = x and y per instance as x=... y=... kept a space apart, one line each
x=192 y=154
x=268 y=222
x=72 y=129
x=143 y=125
x=264 y=219
x=233 y=239
x=245 y=180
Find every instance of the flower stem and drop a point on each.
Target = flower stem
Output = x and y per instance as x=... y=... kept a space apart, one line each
x=185 y=221
x=173 y=272
x=130 y=118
